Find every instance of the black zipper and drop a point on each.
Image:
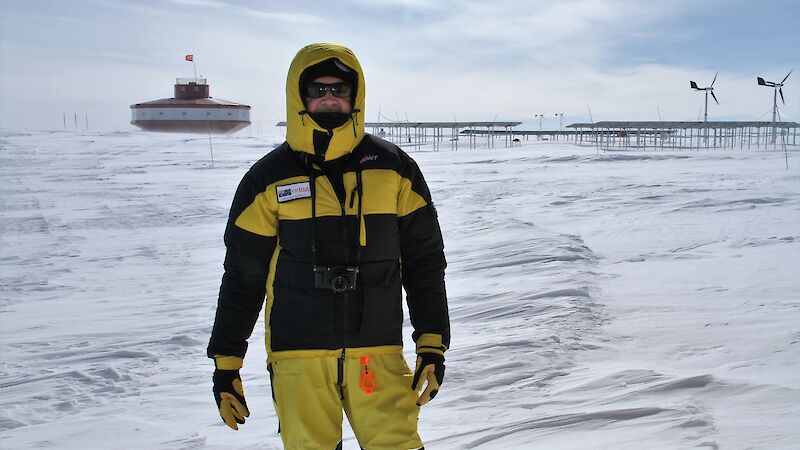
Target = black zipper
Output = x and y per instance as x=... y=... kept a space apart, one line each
x=356 y=189
x=340 y=362
x=344 y=299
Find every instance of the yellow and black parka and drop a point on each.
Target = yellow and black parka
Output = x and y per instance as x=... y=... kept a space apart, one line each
x=287 y=218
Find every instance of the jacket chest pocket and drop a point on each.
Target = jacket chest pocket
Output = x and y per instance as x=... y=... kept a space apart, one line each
x=379 y=190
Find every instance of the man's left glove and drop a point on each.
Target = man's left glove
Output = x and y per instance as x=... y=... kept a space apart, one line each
x=430 y=368
x=229 y=394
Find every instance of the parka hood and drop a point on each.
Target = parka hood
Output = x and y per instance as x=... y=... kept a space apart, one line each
x=300 y=126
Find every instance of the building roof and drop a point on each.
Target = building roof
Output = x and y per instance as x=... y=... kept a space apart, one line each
x=194 y=103
x=431 y=124
x=441 y=124
x=673 y=125
x=522 y=132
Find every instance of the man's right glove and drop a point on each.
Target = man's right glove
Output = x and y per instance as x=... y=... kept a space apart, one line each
x=229 y=394
x=430 y=368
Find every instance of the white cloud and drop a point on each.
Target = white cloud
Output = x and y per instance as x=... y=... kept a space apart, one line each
x=301 y=19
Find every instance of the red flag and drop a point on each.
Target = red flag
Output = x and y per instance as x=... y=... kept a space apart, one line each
x=190 y=57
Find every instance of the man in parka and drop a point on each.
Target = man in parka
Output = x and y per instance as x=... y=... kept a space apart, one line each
x=330 y=227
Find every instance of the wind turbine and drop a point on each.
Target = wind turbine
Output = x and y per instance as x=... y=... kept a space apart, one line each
x=540 y=116
x=776 y=88
x=710 y=89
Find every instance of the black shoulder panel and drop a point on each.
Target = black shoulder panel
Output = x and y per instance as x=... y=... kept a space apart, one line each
x=375 y=153
x=276 y=165
x=410 y=170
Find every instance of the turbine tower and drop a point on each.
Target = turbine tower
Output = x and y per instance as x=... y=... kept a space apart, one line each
x=776 y=88
x=540 y=116
x=710 y=89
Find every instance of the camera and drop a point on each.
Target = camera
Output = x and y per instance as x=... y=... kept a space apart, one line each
x=336 y=278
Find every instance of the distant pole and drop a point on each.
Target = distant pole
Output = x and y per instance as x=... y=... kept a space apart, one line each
x=210 y=146
x=87 y=120
x=76 y=120
x=590 y=113
x=785 y=152
x=65 y=121
x=454 y=133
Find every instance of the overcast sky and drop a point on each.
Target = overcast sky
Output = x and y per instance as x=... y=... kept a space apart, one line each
x=423 y=59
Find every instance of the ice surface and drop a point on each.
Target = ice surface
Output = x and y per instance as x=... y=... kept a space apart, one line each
x=598 y=299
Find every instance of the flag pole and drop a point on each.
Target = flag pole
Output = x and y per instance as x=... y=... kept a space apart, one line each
x=190 y=58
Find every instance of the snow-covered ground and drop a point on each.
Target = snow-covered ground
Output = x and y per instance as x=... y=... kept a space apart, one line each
x=621 y=300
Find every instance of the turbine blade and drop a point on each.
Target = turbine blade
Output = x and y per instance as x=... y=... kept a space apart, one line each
x=781 y=92
x=715 y=97
x=715 y=79
x=787 y=75
x=761 y=81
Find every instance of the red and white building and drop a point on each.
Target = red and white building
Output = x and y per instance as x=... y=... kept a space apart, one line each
x=191 y=111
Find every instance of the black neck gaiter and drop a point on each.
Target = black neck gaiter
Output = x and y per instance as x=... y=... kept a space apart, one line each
x=330 y=120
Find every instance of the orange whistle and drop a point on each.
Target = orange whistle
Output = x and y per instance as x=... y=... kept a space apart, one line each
x=367 y=382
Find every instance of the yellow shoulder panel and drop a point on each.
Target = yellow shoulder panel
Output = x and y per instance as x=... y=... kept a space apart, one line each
x=260 y=216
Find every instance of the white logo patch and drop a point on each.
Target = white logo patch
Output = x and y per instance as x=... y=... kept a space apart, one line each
x=293 y=191
x=368 y=158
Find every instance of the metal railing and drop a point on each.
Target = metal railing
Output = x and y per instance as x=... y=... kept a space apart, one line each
x=190 y=80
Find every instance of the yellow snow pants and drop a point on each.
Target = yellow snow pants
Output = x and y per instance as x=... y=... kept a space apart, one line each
x=378 y=400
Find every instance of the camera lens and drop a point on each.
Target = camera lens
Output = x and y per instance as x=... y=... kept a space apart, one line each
x=339 y=283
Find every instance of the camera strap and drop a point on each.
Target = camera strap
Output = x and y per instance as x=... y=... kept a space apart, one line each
x=314 y=169
x=314 y=173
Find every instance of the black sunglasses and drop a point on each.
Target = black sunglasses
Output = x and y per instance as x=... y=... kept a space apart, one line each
x=318 y=90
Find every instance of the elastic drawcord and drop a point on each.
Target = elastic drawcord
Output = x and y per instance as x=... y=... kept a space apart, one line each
x=354 y=121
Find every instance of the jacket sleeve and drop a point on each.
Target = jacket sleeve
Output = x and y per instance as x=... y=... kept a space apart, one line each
x=423 y=262
x=250 y=239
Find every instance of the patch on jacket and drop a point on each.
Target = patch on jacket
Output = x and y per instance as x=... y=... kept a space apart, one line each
x=293 y=191
x=368 y=158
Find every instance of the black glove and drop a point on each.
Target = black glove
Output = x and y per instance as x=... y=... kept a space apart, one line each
x=229 y=394
x=430 y=368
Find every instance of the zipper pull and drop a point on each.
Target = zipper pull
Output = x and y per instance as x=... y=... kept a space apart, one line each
x=340 y=374
x=353 y=196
